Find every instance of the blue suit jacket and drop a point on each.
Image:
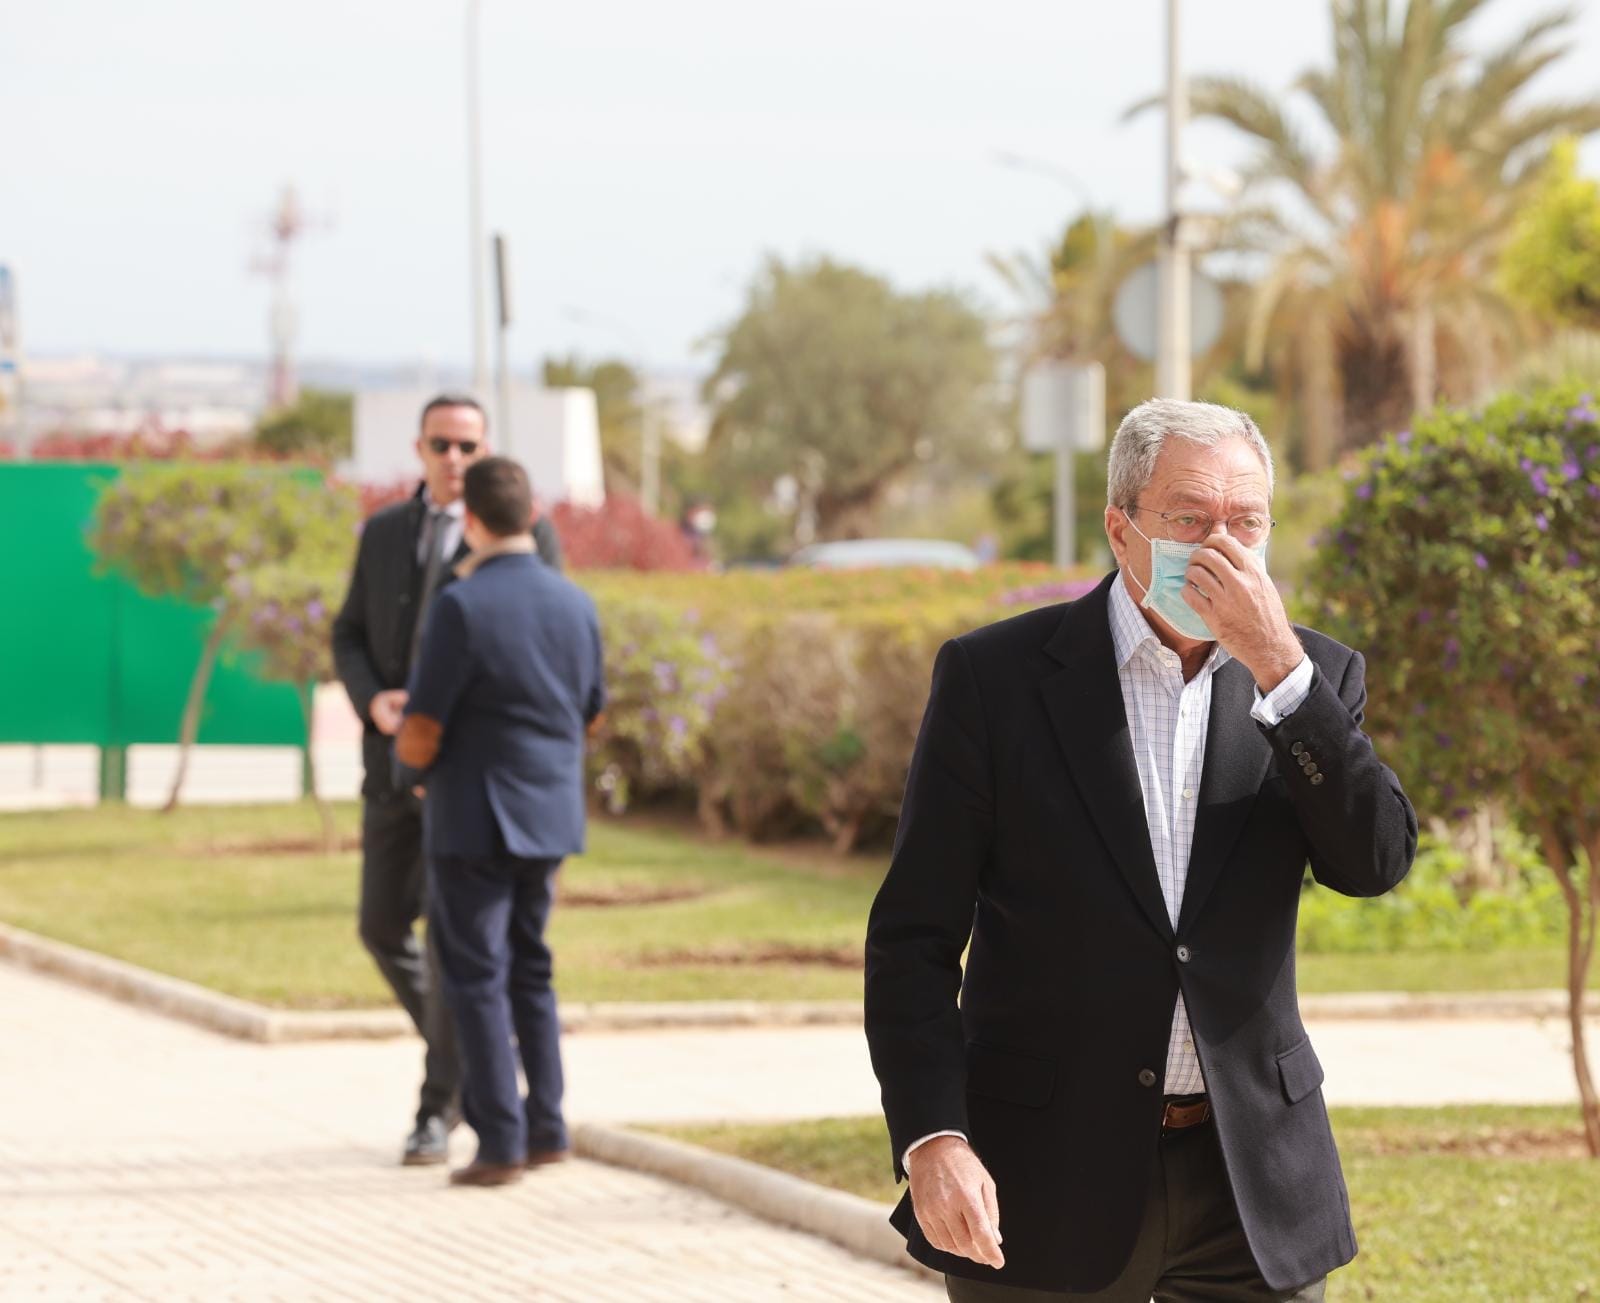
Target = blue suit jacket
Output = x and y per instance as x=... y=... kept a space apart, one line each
x=510 y=666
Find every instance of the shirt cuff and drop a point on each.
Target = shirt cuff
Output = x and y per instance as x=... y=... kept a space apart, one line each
x=1287 y=697
x=917 y=1144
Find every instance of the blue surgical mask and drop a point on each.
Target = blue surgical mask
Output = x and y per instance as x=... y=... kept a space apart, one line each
x=1169 y=567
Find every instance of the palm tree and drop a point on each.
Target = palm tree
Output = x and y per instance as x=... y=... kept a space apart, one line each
x=1381 y=298
x=1065 y=295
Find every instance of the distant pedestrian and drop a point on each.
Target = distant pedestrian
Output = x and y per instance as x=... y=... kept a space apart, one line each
x=508 y=683
x=404 y=559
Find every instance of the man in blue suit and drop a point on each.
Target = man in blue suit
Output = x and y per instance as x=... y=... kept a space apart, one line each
x=507 y=683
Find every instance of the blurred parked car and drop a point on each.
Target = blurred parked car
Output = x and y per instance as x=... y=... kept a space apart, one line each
x=877 y=553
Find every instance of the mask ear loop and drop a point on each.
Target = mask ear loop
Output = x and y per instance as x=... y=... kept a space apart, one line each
x=1128 y=516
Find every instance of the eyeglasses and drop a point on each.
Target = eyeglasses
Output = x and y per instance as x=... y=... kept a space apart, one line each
x=467 y=447
x=1186 y=526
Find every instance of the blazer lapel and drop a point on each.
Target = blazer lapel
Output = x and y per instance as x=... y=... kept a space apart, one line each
x=416 y=518
x=1236 y=758
x=1083 y=700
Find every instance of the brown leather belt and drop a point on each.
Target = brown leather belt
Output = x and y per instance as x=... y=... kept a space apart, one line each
x=1180 y=1115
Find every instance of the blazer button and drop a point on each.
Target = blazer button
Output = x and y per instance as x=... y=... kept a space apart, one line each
x=1146 y=1077
x=1312 y=771
x=1183 y=954
x=1297 y=748
x=1316 y=780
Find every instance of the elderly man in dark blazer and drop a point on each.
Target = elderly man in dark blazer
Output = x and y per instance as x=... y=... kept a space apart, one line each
x=405 y=557
x=1114 y=803
x=507 y=685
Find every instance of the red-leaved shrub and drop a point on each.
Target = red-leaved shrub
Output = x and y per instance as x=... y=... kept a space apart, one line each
x=621 y=535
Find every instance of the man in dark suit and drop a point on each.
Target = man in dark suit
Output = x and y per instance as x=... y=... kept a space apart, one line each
x=404 y=558
x=508 y=683
x=1115 y=802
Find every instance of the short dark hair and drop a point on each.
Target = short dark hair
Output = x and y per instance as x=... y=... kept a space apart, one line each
x=454 y=400
x=497 y=492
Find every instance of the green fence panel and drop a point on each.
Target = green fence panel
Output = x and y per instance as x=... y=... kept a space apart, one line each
x=86 y=658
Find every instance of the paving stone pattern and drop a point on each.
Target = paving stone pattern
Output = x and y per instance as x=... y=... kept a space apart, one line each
x=146 y=1160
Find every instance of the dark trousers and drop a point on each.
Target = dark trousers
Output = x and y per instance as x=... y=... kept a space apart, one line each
x=1190 y=1249
x=393 y=898
x=490 y=916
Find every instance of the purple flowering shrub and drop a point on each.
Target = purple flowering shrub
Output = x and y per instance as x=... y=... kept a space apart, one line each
x=197 y=532
x=186 y=529
x=1466 y=566
x=784 y=702
x=666 y=674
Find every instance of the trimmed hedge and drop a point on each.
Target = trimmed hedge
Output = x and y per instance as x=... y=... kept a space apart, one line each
x=782 y=702
x=1439 y=907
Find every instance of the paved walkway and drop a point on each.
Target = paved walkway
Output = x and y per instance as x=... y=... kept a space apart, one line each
x=144 y=1159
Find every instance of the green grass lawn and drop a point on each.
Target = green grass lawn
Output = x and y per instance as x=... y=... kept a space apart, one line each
x=195 y=894
x=1450 y=1204
x=650 y=913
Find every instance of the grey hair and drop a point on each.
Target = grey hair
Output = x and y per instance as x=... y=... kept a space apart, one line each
x=1145 y=430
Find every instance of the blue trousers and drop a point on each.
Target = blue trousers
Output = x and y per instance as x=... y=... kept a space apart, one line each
x=490 y=917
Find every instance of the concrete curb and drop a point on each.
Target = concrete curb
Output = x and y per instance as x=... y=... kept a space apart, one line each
x=1443 y=1004
x=231 y=1016
x=857 y=1224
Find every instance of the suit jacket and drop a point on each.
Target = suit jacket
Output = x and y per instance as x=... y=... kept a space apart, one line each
x=510 y=667
x=372 y=633
x=1023 y=829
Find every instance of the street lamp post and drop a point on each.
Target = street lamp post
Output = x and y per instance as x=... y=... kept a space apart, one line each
x=480 y=348
x=1172 y=354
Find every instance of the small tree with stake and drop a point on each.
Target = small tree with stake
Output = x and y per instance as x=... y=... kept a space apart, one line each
x=1466 y=564
x=187 y=530
x=285 y=613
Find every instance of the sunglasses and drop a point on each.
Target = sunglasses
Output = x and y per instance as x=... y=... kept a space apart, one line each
x=467 y=447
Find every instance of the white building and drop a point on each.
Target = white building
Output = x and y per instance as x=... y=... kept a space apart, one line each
x=555 y=433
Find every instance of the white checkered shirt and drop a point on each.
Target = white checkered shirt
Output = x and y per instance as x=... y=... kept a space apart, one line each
x=1167 y=722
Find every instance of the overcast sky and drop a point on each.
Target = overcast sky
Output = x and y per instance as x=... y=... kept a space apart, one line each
x=642 y=157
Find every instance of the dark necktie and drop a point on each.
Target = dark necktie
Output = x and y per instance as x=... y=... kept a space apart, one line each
x=433 y=534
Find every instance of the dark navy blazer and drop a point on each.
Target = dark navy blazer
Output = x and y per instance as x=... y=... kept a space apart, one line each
x=510 y=666
x=1024 y=833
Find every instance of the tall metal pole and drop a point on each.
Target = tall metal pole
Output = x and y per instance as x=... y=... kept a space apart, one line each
x=480 y=347
x=650 y=453
x=502 y=365
x=1172 y=355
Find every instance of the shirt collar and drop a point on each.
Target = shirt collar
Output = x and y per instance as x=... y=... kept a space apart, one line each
x=457 y=510
x=1130 y=630
x=512 y=545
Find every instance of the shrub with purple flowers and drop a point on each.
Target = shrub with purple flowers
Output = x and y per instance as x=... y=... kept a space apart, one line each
x=787 y=701
x=1466 y=566
x=197 y=531
x=665 y=676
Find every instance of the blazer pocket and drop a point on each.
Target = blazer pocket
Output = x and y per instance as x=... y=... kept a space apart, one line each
x=1299 y=1071
x=1008 y=1075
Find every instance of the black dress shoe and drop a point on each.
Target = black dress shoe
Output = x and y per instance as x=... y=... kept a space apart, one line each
x=428 y=1145
x=480 y=1173
x=544 y=1157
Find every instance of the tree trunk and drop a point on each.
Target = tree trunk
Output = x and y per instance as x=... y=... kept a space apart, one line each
x=1583 y=911
x=330 y=830
x=189 y=728
x=1323 y=416
x=1424 y=360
